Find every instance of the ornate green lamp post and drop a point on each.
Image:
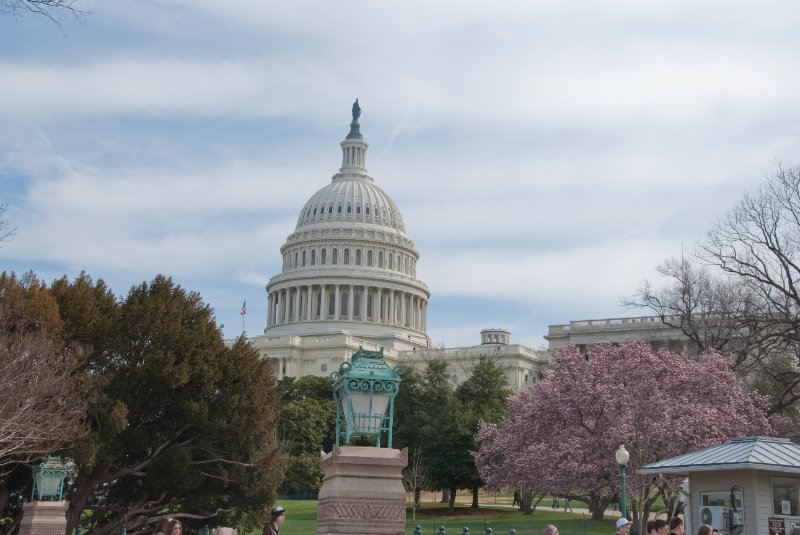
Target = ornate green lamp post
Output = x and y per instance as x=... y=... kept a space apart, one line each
x=48 y=480
x=622 y=456
x=364 y=390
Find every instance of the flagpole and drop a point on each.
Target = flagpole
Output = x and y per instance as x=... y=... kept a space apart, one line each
x=243 y=313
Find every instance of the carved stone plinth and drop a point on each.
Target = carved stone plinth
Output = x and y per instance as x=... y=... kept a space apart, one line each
x=43 y=518
x=362 y=493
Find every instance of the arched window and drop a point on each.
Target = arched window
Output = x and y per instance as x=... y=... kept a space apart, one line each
x=330 y=209
x=315 y=211
x=369 y=258
x=335 y=256
x=347 y=256
x=358 y=209
x=366 y=210
x=391 y=261
x=380 y=259
x=358 y=257
x=349 y=209
x=313 y=257
x=322 y=257
x=339 y=209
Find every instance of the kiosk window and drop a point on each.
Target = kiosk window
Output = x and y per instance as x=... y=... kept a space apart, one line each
x=785 y=496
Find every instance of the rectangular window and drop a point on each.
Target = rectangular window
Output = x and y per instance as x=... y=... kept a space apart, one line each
x=785 y=496
x=343 y=310
x=323 y=367
x=331 y=304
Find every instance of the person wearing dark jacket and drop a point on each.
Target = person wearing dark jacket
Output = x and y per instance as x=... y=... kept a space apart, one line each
x=274 y=526
x=676 y=526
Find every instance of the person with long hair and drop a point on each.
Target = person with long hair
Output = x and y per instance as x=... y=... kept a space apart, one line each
x=174 y=527
x=163 y=525
x=705 y=529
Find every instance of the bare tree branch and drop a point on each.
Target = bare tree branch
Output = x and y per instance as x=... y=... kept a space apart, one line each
x=54 y=10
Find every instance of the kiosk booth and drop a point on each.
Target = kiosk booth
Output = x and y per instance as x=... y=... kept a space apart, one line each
x=748 y=486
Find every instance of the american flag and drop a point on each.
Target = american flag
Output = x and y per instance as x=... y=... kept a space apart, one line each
x=244 y=308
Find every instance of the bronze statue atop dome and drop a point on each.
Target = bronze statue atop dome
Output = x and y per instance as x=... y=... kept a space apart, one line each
x=355 y=132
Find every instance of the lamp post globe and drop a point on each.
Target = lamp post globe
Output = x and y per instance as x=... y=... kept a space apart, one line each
x=48 y=480
x=622 y=457
x=364 y=390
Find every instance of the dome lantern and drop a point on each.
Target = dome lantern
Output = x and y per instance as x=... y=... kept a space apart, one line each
x=354 y=148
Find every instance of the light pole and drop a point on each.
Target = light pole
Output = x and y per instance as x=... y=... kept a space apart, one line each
x=622 y=456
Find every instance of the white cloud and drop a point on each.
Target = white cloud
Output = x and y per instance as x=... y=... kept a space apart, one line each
x=547 y=153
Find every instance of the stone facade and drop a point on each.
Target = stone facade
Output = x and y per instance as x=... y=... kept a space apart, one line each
x=650 y=329
x=43 y=518
x=362 y=492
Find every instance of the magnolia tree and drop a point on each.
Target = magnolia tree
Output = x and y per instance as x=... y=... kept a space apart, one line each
x=563 y=431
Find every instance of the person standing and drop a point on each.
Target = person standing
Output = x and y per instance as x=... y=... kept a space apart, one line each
x=623 y=526
x=567 y=505
x=660 y=526
x=676 y=526
x=163 y=524
x=274 y=526
x=174 y=527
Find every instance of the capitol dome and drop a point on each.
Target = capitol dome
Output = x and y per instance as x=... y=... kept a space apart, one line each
x=351 y=199
x=349 y=265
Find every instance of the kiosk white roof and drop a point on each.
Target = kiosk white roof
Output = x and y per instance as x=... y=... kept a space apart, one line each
x=757 y=453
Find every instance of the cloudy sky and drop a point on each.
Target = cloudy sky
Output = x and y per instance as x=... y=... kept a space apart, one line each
x=546 y=154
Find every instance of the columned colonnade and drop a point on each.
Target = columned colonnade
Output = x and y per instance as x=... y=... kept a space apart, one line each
x=359 y=302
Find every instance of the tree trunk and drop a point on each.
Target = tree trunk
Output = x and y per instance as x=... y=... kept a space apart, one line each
x=5 y=495
x=417 y=496
x=597 y=505
x=77 y=501
x=525 y=499
x=451 y=504
x=445 y=496
x=475 y=497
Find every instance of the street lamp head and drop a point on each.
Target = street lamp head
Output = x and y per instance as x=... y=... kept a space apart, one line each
x=364 y=391
x=48 y=480
x=622 y=455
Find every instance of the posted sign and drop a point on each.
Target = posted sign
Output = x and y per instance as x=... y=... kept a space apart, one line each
x=777 y=526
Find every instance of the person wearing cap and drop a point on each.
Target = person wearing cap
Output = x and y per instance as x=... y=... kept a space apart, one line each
x=274 y=526
x=550 y=529
x=623 y=526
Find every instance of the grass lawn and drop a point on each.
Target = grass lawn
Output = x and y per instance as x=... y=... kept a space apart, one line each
x=301 y=519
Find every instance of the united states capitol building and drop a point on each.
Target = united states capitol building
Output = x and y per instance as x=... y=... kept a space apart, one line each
x=349 y=279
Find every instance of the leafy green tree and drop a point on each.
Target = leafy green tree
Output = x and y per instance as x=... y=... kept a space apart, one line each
x=306 y=426
x=482 y=397
x=182 y=423
x=439 y=422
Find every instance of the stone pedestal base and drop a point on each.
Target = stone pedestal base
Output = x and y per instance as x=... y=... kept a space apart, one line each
x=362 y=493
x=43 y=518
